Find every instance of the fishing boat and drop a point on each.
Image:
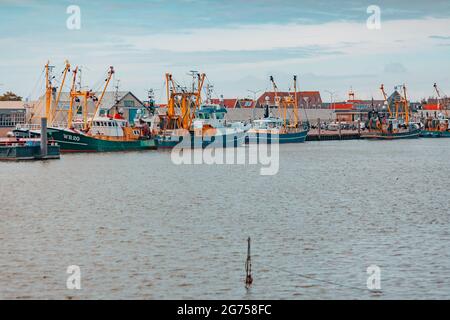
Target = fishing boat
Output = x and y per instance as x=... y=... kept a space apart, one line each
x=104 y=133
x=196 y=125
x=393 y=124
x=438 y=126
x=271 y=129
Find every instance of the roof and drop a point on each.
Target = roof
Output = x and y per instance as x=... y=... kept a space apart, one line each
x=341 y=106
x=313 y=96
x=247 y=103
x=12 y=105
x=431 y=106
x=228 y=103
x=109 y=99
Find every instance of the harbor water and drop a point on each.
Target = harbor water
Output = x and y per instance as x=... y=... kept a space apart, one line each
x=141 y=227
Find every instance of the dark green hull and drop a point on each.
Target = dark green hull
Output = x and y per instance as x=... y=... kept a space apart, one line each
x=70 y=141
x=435 y=134
x=411 y=134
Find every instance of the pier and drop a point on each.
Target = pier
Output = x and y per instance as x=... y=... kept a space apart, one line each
x=29 y=149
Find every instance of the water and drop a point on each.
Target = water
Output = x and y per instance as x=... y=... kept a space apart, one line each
x=141 y=227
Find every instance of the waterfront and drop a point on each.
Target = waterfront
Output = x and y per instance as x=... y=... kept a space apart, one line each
x=141 y=227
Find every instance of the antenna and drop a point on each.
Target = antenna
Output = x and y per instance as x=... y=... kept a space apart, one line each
x=116 y=93
x=194 y=74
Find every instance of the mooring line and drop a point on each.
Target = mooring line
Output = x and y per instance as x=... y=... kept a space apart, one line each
x=316 y=279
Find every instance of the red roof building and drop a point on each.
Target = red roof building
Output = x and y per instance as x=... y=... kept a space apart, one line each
x=227 y=103
x=306 y=99
x=431 y=107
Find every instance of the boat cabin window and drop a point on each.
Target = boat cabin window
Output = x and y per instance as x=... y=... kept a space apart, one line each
x=220 y=115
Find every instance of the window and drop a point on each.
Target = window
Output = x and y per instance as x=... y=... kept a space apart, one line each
x=128 y=103
x=12 y=119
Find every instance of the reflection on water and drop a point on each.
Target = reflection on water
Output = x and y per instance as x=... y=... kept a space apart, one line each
x=141 y=227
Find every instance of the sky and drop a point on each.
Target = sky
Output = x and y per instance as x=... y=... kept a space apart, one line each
x=237 y=43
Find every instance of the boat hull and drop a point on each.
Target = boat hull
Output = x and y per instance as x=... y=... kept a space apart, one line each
x=227 y=140
x=412 y=134
x=435 y=134
x=70 y=141
x=264 y=138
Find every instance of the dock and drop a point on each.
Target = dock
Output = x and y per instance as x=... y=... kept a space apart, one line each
x=26 y=150
x=14 y=149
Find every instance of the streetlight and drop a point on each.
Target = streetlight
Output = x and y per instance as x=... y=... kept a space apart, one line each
x=255 y=92
x=332 y=93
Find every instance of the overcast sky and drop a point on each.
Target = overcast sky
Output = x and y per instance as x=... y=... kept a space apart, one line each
x=237 y=43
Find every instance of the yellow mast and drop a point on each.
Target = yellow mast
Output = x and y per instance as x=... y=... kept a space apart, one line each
x=296 y=118
x=275 y=89
x=198 y=95
x=72 y=96
x=55 y=107
x=406 y=107
x=108 y=79
x=48 y=90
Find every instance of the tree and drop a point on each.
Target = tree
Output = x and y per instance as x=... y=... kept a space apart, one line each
x=10 y=96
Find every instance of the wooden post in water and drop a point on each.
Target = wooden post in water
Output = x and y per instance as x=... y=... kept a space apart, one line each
x=44 y=148
x=318 y=121
x=340 y=135
x=248 y=267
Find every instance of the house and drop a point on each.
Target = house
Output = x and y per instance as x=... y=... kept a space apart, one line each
x=12 y=113
x=124 y=102
x=306 y=99
x=227 y=103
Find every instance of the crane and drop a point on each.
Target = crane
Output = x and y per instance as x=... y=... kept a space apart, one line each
x=48 y=89
x=54 y=109
x=406 y=106
x=188 y=101
x=386 y=100
x=99 y=101
x=439 y=98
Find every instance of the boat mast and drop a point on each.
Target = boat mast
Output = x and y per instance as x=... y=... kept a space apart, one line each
x=99 y=101
x=48 y=89
x=438 y=92
x=198 y=96
x=296 y=119
x=55 y=108
x=275 y=90
x=72 y=97
x=406 y=107
x=386 y=100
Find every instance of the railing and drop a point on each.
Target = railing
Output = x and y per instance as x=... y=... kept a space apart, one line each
x=37 y=127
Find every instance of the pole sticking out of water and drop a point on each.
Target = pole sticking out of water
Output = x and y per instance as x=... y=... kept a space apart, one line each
x=248 y=267
x=44 y=150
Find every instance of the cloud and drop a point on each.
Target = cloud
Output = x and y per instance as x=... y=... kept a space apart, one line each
x=333 y=35
x=440 y=37
x=395 y=68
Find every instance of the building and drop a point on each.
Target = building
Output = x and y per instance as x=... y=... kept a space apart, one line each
x=12 y=113
x=248 y=103
x=306 y=99
x=124 y=102
x=227 y=103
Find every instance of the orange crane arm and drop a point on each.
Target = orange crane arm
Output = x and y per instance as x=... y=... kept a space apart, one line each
x=386 y=100
x=55 y=107
x=108 y=79
x=72 y=96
